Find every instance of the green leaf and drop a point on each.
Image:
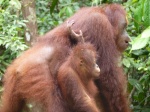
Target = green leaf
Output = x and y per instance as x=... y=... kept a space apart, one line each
x=145 y=110
x=147 y=13
x=16 y=4
x=139 y=43
x=138 y=16
x=135 y=84
x=62 y=11
x=69 y=11
x=1 y=1
x=146 y=33
x=95 y=2
x=142 y=40
x=126 y=62
x=54 y=3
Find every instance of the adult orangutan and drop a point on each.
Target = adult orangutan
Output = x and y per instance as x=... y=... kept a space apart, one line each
x=105 y=27
x=32 y=76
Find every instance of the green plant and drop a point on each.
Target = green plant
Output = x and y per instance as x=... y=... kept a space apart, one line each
x=49 y=16
x=11 y=32
x=137 y=58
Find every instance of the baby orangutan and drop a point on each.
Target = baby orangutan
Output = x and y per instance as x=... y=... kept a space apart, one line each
x=76 y=75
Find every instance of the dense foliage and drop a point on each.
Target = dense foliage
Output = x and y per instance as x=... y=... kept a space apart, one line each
x=50 y=13
x=137 y=58
x=11 y=32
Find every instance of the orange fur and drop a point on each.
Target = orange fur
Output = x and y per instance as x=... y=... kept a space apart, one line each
x=32 y=76
x=76 y=79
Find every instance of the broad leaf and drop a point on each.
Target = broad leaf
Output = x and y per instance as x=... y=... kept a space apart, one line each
x=139 y=43
x=69 y=11
x=1 y=1
x=138 y=16
x=54 y=3
x=146 y=33
x=126 y=62
x=135 y=84
x=147 y=13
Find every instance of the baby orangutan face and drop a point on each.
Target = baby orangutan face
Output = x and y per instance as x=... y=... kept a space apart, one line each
x=96 y=71
x=88 y=63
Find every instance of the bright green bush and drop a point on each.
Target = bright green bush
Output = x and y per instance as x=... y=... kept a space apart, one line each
x=137 y=58
x=11 y=32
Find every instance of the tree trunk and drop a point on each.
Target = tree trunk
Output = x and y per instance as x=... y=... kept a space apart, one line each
x=29 y=14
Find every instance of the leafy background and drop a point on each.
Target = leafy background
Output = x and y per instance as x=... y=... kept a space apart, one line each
x=50 y=13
